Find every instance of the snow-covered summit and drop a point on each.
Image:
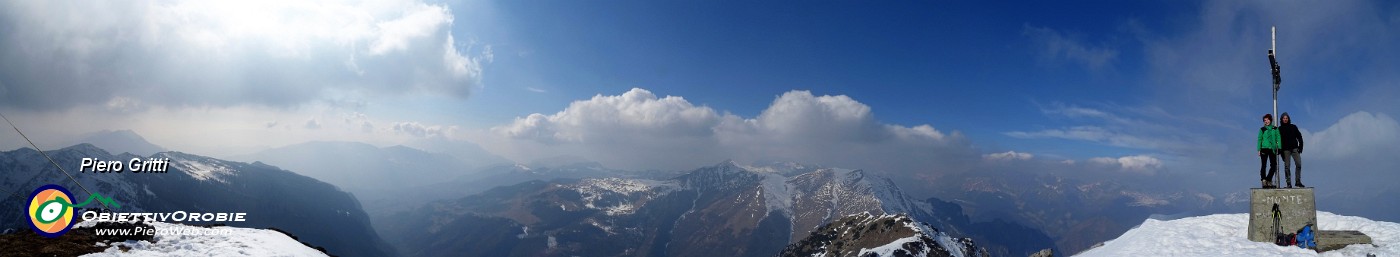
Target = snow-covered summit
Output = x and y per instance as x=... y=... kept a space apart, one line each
x=1224 y=235
x=866 y=234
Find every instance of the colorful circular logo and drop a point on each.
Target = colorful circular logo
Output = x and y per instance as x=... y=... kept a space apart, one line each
x=51 y=210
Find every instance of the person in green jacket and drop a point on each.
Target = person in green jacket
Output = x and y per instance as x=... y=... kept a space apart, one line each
x=1268 y=146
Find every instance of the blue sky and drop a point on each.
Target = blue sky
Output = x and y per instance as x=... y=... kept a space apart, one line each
x=913 y=64
x=980 y=68
x=1140 y=88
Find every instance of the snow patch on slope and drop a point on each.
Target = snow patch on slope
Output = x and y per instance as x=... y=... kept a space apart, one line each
x=594 y=190
x=200 y=169
x=896 y=245
x=1225 y=235
x=215 y=241
x=620 y=185
x=776 y=194
x=620 y=209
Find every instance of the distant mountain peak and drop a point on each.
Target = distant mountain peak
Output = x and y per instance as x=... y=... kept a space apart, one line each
x=83 y=147
x=120 y=141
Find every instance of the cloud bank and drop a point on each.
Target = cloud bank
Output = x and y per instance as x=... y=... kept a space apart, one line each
x=1360 y=133
x=127 y=54
x=640 y=130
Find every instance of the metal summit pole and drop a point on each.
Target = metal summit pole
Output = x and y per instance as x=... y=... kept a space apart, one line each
x=1273 y=65
x=1273 y=62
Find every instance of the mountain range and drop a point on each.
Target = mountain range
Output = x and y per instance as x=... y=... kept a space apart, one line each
x=1075 y=213
x=721 y=210
x=118 y=141
x=361 y=168
x=423 y=202
x=317 y=212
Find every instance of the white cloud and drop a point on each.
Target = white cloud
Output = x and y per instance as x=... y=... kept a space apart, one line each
x=637 y=129
x=1007 y=156
x=419 y=130
x=636 y=113
x=354 y=117
x=359 y=119
x=223 y=53
x=1356 y=134
x=1133 y=163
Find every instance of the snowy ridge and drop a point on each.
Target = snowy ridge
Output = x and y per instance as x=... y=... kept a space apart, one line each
x=827 y=194
x=857 y=186
x=866 y=234
x=1225 y=235
x=203 y=168
x=851 y=193
x=214 y=241
x=920 y=230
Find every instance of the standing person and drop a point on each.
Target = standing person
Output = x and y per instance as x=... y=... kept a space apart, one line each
x=1268 y=146
x=1292 y=147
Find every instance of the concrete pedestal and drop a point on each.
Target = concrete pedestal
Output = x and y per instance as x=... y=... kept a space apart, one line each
x=1295 y=204
x=1328 y=240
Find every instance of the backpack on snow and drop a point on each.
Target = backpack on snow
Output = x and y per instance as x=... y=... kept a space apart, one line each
x=1305 y=238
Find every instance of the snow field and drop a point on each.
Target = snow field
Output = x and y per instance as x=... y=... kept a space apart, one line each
x=1225 y=235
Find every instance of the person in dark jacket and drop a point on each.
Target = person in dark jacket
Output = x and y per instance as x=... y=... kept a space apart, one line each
x=1292 y=145
x=1268 y=146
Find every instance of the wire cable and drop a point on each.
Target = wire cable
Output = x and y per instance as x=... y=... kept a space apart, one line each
x=46 y=156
